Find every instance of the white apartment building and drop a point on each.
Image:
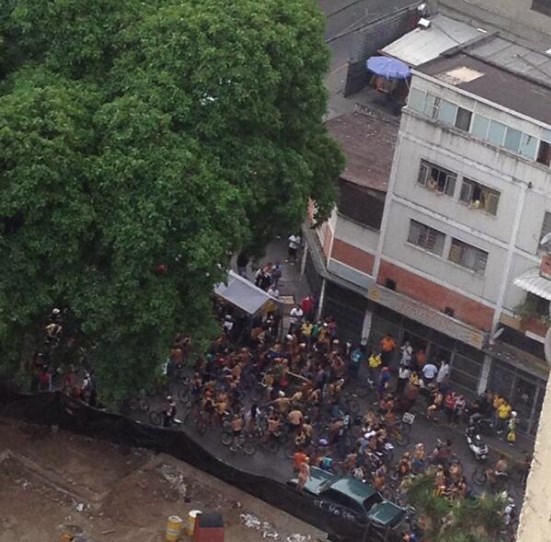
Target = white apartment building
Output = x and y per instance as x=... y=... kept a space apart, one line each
x=455 y=265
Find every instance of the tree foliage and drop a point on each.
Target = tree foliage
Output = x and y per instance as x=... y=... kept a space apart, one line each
x=464 y=520
x=136 y=134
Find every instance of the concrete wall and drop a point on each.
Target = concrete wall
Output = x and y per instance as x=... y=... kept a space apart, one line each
x=356 y=235
x=467 y=156
x=513 y=16
x=396 y=247
x=535 y=519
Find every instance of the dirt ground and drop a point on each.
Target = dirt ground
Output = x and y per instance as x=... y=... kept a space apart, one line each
x=53 y=482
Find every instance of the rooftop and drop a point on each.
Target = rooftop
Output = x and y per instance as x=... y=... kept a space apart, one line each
x=367 y=141
x=423 y=45
x=514 y=57
x=494 y=83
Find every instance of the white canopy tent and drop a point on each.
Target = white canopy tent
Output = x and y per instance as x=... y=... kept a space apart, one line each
x=243 y=294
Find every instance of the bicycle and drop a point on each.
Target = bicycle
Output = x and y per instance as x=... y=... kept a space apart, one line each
x=156 y=417
x=498 y=483
x=240 y=442
x=399 y=433
x=139 y=402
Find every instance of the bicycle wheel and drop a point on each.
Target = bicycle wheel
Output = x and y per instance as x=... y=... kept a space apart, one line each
x=479 y=476
x=133 y=404
x=256 y=393
x=272 y=446
x=201 y=426
x=249 y=447
x=184 y=396
x=227 y=438
x=290 y=450
x=405 y=428
x=401 y=439
x=185 y=380
x=143 y=404
x=155 y=418
x=353 y=405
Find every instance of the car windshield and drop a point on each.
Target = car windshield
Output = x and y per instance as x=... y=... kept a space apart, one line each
x=372 y=500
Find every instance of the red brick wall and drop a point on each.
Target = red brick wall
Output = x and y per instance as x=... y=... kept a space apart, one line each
x=352 y=256
x=438 y=297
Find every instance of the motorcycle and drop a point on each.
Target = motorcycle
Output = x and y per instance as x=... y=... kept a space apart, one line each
x=483 y=424
x=476 y=444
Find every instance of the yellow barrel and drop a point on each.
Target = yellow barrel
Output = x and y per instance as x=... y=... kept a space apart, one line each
x=191 y=519
x=174 y=528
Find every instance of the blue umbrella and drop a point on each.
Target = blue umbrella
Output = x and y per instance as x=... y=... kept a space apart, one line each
x=389 y=68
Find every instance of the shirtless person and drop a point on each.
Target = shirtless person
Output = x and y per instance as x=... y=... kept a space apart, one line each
x=236 y=425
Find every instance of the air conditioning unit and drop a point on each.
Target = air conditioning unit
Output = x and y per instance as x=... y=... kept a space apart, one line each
x=423 y=23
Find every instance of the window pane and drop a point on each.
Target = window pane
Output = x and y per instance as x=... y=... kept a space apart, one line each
x=491 y=203
x=450 y=185
x=416 y=100
x=431 y=105
x=466 y=191
x=463 y=121
x=547 y=136
x=447 y=112
x=528 y=146
x=496 y=133
x=512 y=139
x=423 y=174
x=480 y=126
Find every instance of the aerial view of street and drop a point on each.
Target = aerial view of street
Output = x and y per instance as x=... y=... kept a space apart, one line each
x=275 y=270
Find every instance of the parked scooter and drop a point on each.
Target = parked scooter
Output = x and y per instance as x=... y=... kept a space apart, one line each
x=475 y=442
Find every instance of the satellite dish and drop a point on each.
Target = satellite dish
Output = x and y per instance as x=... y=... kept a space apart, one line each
x=545 y=239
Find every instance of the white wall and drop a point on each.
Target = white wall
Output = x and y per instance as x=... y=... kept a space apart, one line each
x=356 y=235
x=467 y=156
x=396 y=247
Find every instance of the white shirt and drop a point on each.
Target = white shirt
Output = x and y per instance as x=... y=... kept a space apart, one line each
x=274 y=292
x=294 y=241
x=443 y=372
x=404 y=372
x=430 y=371
x=296 y=314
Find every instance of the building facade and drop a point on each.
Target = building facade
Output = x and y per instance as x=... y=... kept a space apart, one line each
x=453 y=265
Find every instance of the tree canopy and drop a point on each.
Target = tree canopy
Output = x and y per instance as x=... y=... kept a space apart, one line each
x=463 y=520
x=136 y=134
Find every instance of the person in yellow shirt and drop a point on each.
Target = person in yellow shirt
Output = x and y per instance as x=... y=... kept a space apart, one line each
x=503 y=414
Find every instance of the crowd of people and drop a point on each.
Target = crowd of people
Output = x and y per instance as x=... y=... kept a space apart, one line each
x=307 y=383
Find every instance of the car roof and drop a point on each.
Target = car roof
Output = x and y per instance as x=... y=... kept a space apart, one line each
x=355 y=489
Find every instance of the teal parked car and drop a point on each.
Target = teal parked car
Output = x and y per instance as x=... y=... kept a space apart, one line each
x=352 y=499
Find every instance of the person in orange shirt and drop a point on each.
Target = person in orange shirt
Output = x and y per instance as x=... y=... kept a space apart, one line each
x=299 y=458
x=388 y=346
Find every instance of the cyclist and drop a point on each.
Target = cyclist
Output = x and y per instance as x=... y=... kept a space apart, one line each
x=499 y=471
x=236 y=425
x=169 y=413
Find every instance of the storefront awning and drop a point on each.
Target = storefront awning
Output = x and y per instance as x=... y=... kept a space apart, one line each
x=533 y=282
x=244 y=295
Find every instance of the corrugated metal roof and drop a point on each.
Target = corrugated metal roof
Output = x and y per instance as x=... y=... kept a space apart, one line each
x=420 y=46
x=368 y=142
x=514 y=57
x=533 y=282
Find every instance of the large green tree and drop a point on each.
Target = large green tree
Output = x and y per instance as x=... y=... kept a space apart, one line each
x=137 y=134
x=463 y=520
